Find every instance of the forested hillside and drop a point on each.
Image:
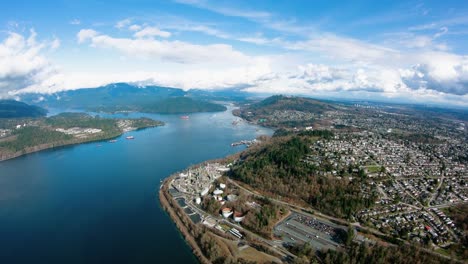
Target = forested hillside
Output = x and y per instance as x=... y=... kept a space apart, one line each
x=284 y=111
x=126 y=97
x=15 y=109
x=277 y=168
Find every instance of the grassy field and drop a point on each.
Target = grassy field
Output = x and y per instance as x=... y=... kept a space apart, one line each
x=373 y=168
x=251 y=254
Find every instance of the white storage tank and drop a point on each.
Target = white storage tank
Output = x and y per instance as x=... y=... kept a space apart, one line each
x=226 y=212
x=217 y=192
x=205 y=191
x=238 y=216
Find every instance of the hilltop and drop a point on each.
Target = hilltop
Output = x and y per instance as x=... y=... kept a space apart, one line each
x=15 y=109
x=281 y=102
x=284 y=111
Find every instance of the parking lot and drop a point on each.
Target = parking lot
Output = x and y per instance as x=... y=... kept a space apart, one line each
x=299 y=228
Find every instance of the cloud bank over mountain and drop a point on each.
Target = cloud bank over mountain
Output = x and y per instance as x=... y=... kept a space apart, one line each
x=421 y=63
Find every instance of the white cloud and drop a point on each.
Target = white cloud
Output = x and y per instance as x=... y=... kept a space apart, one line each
x=180 y=24
x=317 y=78
x=443 y=31
x=423 y=27
x=412 y=65
x=371 y=83
x=22 y=63
x=420 y=65
x=256 y=40
x=86 y=34
x=264 y=18
x=31 y=41
x=441 y=72
x=417 y=42
x=123 y=23
x=343 y=48
x=134 y=27
x=455 y=21
x=217 y=78
x=75 y=22
x=203 y=29
x=172 y=51
x=55 y=44
x=382 y=68
x=227 y=11
x=205 y=66
x=152 y=32
x=205 y=78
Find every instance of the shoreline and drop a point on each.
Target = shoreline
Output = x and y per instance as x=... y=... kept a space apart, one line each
x=53 y=145
x=170 y=208
x=194 y=233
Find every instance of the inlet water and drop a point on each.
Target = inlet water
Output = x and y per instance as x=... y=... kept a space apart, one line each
x=98 y=202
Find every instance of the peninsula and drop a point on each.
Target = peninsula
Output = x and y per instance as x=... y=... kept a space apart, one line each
x=20 y=136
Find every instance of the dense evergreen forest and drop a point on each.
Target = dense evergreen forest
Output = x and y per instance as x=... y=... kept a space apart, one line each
x=173 y=105
x=15 y=109
x=41 y=133
x=33 y=136
x=127 y=97
x=179 y=105
x=459 y=214
x=69 y=120
x=281 y=102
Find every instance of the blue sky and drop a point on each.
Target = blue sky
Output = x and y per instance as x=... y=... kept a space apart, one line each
x=413 y=51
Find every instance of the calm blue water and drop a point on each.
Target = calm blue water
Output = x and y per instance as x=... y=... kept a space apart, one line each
x=90 y=204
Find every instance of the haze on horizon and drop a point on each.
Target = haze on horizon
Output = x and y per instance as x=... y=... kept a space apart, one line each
x=403 y=51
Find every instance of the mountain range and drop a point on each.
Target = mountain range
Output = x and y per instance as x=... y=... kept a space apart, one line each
x=129 y=97
x=15 y=109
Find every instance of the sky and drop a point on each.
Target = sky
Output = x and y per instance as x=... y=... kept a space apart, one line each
x=401 y=51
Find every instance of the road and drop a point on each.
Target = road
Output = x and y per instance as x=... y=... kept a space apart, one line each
x=271 y=243
x=274 y=246
x=219 y=219
x=437 y=189
x=446 y=205
x=322 y=216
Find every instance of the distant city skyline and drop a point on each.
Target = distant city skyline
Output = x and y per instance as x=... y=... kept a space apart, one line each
x=401 y=51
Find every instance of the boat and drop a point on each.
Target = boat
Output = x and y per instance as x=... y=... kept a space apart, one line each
x=185 y=117
x=112 y=141
x=130 y=137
